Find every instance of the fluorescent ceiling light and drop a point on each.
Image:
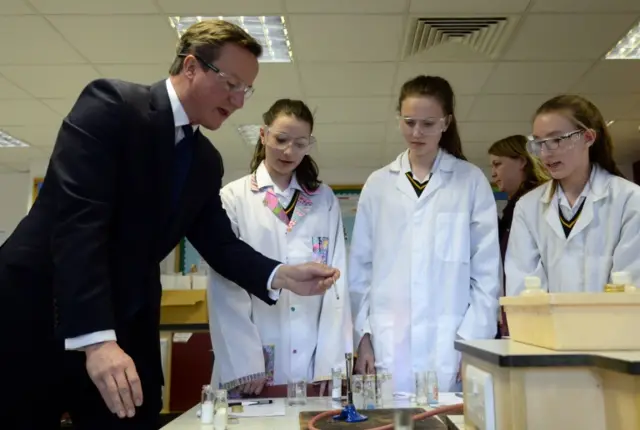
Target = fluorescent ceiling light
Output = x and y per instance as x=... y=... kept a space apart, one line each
x=8 y=141
x=249 y=133
x=627 y=48
x=610 y=123
x=270 y=31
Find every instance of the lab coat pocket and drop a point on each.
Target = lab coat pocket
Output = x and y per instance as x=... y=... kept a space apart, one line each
x=453 y=237
x=320 y=249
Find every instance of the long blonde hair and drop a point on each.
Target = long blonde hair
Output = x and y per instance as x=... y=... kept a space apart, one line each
x=516 y=147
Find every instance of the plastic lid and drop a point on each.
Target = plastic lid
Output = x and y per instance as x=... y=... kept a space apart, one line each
x=532 y=283
x=621 y=278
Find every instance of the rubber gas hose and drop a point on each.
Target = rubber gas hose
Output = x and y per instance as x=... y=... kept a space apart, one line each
x=417 y=417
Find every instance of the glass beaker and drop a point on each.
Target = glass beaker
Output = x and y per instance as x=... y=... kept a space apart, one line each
x=297 y=392
x=369 y=391
x=221 y=410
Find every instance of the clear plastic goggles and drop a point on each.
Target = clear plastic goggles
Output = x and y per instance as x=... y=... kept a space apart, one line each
x=423 y=126
x=554 y=144
x=280 y=140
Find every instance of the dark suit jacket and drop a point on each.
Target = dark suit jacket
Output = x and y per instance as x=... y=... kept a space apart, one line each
x=103 y=221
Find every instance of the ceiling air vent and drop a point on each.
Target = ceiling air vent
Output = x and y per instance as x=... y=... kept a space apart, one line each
x=485 y=35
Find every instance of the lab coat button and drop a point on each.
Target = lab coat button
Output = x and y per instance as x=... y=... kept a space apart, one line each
x=293 y=309
x=295 y=351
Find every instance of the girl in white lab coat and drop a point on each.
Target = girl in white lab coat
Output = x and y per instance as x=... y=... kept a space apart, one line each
x=577 y=229
x=424 y=266
x=282 y=210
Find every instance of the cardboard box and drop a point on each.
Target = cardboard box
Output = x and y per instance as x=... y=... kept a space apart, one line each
x=184 y=307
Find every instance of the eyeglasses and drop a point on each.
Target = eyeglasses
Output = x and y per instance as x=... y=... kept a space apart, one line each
x=233 y=84
x=425 y=126
x=563 y=142
x=280 y=140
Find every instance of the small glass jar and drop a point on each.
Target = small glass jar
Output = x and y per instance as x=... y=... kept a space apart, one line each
x=336 y=384
x=206 y=405
x=221 y=410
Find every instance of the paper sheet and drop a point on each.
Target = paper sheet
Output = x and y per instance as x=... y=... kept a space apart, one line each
x=448 y=399
x=275 y=409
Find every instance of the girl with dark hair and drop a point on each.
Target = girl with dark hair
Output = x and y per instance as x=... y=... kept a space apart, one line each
x=584 y=224
x=283 y=210
x=424 y=264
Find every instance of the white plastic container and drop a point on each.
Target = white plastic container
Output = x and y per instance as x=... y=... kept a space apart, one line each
x=575 y=321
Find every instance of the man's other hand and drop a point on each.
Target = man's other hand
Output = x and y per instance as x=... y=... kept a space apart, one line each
x=308 y=279
x=115 y=375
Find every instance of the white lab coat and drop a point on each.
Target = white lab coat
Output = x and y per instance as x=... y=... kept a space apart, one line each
x=605 y=239
x=303 y=337
x=423 y=271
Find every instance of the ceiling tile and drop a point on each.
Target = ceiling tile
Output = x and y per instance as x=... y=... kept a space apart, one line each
x=534 y=78
x=139 y=73
x=14 y=7
x=587 y=6
x=584 y=37
x=464 y=78
x=463 y=7
x=60 y=106
x=476 y=151
x=13 y=155
x=351 y=133
x=221 y=7
x=347 y=79
x=503 y=108
x=10 y=91
x=351 y=110
x=118 y=39
x=491 y=131
x=38 y=42
x=252 y=111
x=94 y=7
x=42 y=135
x=615 y=106
x=69 y=81
x=26 y=112
x=611 y=76
x=278 y=80
x=346 y=37
x=626 y=139
x=341 y=6
x=447 y=52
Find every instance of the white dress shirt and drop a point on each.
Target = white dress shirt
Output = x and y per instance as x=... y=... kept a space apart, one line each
x=180 y=119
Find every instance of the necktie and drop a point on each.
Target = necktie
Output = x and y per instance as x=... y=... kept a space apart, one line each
x=182 y=155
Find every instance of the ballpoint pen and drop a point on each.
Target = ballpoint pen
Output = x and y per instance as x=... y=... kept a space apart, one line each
x=335 y=289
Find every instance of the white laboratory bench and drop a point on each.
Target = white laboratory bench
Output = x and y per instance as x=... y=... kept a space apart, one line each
x=290 y=421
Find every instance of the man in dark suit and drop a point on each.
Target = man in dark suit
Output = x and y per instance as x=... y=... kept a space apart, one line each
x=129 y=176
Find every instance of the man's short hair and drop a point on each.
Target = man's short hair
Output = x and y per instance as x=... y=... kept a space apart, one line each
x=206 y=38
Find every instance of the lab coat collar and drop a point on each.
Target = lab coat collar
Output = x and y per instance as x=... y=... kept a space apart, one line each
x=597 y=187
x=442 y=166
x=261 y=180
x=444 y=162
x=597 y=190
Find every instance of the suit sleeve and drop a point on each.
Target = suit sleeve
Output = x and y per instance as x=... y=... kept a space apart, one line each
x=481 y=319
x=83 y=169
x=335 y=329
x=361 y=266
x=212 y=236
x=235 y=338
x=523 y=256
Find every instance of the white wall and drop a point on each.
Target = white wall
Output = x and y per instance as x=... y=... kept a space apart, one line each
x=14 y=194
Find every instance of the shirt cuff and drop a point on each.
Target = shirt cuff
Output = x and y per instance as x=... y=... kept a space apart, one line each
x=85 y=340
x=273 y=294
